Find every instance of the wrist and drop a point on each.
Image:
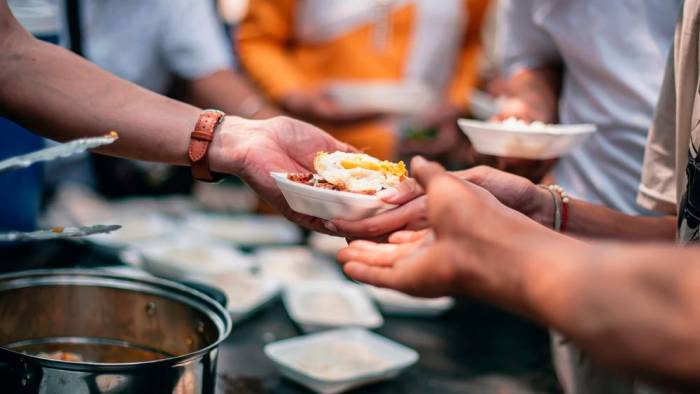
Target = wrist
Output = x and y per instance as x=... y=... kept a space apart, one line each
x=542 y=209
x=231 y=144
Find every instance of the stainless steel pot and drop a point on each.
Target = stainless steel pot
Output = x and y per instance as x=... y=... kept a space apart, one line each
x=135 y=335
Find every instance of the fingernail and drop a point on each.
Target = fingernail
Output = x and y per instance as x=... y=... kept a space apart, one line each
x=330 y=226
x=387 y=194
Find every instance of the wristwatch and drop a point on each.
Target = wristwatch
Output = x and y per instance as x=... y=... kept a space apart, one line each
x=200 y=139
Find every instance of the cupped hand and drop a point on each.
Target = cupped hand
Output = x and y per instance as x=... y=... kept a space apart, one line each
x=513 y=191
x=253 y=149
x=411 y=214
x=476 y=244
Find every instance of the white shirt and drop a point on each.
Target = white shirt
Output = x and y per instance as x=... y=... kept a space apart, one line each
x=148 y=42
x=614 y=53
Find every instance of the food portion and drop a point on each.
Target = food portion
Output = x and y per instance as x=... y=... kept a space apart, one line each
x=339 y=360
x=352 y=172
x=519 y=124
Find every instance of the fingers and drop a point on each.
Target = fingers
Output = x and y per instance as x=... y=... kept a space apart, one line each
x=383 y=255
x=477 y=175
x=375 y=276
x=401 y=237
x=407 y=190
x=408 y=216
x=425 y=171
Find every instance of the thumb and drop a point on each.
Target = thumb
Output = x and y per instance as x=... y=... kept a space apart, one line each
x=406 y=191
x=452 y=202
x=426 y=171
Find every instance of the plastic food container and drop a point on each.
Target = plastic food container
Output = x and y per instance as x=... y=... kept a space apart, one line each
x=290 y=265
x=393 y=302
x=547 y=142
x=245 y=230
x=328 y=204
x=340 y=360
x=136 y=230
x=316 y=306
x=389 y=97
x=246 y=293
x=183 y=258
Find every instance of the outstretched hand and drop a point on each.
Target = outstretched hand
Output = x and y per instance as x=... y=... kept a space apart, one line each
x=412 y=214
x=472 y=249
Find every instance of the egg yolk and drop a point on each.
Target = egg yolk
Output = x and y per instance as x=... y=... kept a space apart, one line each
x=386 y=167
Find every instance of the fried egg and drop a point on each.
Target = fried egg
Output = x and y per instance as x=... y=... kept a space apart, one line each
x=358 y=172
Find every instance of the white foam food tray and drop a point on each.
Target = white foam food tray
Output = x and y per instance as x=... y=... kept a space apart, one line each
x=247 y=293
x=316 y=306
x=136 y=229
x=290 y=265
x=540 y=143
x=328 y=204
x=339 y=360
x=246 y=230
x=183 y=258
x=395 y=303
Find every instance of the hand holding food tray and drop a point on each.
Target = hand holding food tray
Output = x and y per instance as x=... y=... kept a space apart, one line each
x=344 y=186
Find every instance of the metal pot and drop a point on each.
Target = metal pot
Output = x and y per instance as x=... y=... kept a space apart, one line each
x=135 y=334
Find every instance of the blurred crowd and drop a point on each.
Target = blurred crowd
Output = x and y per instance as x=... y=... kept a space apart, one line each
x=391 y=77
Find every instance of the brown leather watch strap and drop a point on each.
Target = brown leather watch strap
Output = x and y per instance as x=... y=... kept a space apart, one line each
x=200 y=140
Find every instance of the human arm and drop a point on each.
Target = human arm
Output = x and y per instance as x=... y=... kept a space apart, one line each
x=530 y=63
x=62 y=97
x=231 y=93
x=195 y=47
x=631 y=306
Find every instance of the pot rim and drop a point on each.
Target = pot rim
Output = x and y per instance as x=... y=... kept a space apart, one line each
x=96 y=277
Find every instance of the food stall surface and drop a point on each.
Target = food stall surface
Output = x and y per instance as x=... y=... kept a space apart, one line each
x=470 y=349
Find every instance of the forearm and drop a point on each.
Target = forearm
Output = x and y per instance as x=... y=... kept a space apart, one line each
x=73 y=98
x=634 y=308
x=231 y=93
x=588 y=220
x=539 y=89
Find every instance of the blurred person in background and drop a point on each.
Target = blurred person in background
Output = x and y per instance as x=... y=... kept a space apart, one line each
x=176 y=47
x=296 y=50
x=556 y=74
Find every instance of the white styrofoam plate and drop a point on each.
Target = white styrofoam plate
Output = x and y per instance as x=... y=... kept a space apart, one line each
x=290 y=265
x=316 y=306
x=327 y=244
x=182 y=257
x=547 y=142
x=246 y=230
x=136 y=229
x=246 y=292
x=389 y=97
x=328 y=204
x=393 y=302
x=339 y=360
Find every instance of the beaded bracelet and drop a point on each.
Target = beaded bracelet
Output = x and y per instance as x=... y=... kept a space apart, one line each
x=561 y=206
